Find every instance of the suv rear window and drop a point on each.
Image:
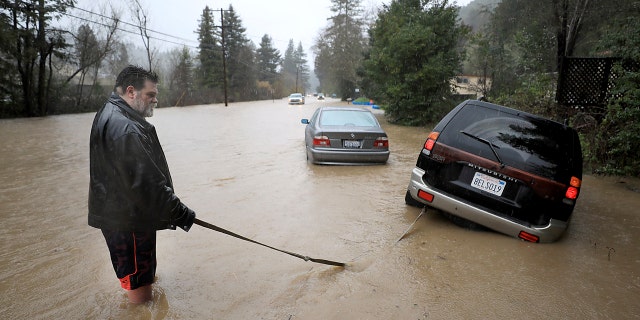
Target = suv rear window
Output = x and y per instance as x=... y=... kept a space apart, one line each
x=535 y=145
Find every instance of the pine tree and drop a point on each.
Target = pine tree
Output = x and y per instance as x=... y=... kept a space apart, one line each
x=289 y=67
x=210 y=52
x=268 y=60
x=302 y=72
x=241 y=66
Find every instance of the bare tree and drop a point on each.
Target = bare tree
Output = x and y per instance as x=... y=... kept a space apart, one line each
x=91 y=53
x=142 y=16
x=94 y=39
x=86 y=49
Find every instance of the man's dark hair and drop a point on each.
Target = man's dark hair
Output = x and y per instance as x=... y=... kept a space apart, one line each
x=134 y=76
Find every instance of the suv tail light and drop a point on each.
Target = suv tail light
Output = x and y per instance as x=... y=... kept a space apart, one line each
x=574 y=189
x=528 y=237
x=381 y=142
x=425 y=195
x=431 y=140
x=322 y=141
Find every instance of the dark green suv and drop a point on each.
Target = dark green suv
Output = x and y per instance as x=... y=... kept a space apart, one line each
x=504 y=169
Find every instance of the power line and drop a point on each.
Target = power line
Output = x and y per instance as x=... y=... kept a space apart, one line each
x=133 y=25
x=250 y=65
x=128 y=31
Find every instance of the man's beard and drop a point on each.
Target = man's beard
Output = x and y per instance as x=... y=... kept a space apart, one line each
x=145 y=111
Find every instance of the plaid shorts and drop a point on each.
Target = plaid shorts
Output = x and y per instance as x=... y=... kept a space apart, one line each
x=133 y=255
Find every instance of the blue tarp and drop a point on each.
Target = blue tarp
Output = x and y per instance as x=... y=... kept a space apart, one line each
x=367 y=103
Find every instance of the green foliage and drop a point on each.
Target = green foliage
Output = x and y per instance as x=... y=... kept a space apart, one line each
x=295 y=68
x=518 y=43
x=240 y=54
x=303 y=68
x=617 y=146
x=225 y=46
x=528 y=37
x=268 y=60
x=621 y=133
x=528 y=31
x=210 y=52
x=414 y=53
x=535 y=94
x=519 y=51
x=27 y=42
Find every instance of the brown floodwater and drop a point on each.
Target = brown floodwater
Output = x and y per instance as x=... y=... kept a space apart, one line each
x=243 y=168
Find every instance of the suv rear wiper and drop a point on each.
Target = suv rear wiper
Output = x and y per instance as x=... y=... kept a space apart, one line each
x=491 y=145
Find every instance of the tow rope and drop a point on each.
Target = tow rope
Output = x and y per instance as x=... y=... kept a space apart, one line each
x=305 y=258
x=424 y=210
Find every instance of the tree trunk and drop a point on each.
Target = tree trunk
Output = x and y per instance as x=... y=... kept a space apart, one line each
x=22 y=60
x=576 y=24
x=568 y=27
x=41 y=42
x=561 y=8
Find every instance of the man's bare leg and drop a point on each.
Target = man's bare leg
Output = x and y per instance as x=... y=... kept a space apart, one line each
x=140 y=295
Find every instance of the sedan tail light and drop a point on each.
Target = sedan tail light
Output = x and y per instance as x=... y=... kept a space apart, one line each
x=381 y=142
x=321 y=141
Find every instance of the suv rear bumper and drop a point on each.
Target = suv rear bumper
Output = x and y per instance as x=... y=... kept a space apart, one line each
x=449 y=204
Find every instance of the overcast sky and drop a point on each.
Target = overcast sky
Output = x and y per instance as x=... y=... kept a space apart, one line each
x=299 y=20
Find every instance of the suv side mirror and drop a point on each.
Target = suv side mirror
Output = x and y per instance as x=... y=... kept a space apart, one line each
x=304 y=121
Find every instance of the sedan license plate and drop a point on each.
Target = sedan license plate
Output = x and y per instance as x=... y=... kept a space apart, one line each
x=352 y=144
x=489 y=184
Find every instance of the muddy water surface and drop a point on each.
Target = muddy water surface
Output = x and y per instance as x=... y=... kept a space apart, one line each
x=243 y=168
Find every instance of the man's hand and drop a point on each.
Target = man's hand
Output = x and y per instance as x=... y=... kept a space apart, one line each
x=186 y=220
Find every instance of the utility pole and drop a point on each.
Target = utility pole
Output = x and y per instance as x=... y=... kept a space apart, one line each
x=297 y=71
x=224 y=57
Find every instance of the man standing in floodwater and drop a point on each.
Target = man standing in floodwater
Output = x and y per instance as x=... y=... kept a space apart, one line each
x=131 y=194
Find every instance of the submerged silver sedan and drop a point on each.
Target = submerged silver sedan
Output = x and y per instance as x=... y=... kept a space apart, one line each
x=345 y=135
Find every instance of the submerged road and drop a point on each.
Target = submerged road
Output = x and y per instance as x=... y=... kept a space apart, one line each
x=243 y=168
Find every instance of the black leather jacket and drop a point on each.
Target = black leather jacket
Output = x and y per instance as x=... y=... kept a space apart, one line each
x=130 y=187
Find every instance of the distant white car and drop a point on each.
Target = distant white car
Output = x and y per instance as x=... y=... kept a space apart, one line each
x=296 y=98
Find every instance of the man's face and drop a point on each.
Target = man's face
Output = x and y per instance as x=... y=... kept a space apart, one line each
x=145 y=100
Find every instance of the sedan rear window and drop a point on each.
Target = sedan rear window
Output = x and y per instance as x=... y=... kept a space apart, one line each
x=348 y=118
x=535 y=145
